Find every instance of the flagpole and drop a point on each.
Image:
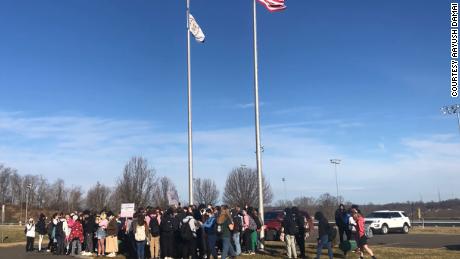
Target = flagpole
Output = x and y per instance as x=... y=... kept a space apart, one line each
x=257 y=122
x=189 y=95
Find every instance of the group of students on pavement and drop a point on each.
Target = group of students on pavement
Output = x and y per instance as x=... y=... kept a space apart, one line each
x=194 y=231
x=178 y=232
x=297 y=226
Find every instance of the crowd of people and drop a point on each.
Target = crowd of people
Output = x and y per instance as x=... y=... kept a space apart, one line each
x=198 y=232
x=193 y=231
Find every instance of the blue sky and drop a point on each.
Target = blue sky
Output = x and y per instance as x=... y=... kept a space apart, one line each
x=87 y=84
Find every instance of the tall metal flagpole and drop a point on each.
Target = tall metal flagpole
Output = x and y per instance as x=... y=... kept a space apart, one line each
x=189 y=94
x=257 y=122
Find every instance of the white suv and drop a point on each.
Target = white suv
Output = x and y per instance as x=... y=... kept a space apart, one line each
x=385 y=220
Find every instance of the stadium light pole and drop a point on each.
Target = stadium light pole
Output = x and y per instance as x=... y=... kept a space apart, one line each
x=284 y=186
x=452 y=110
x=336 y=162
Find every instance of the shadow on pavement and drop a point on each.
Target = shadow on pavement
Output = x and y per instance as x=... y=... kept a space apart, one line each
x=453 y=247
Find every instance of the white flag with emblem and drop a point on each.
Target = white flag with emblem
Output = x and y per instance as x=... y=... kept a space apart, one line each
x=195 y=29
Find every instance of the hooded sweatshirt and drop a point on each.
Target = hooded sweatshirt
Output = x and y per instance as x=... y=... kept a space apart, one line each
x=191 y=222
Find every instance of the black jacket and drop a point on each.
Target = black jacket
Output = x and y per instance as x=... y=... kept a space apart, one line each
x=323 y=227
x=289 y=225
x=339 y=218
x=41 y=227
x=89 y=225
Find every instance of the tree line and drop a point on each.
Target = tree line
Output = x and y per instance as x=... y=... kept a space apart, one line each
x=138 y=183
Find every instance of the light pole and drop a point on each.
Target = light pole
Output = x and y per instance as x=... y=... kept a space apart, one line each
x=452 y=110
x=284 y=185
x=27 y=198
x=336 y=162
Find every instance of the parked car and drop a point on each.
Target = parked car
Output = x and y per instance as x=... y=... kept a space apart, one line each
x=384 y=221
x=273 y=221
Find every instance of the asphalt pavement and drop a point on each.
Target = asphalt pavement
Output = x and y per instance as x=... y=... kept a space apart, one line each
x=451 y=242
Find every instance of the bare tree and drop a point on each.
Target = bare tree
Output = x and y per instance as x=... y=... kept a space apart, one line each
x=75 y=198
x=164 y=193
x=4 y=182
x=136 y=182
x=327 y=204
x=16 y=188
x=205 y=191
x=241 y=188
x=59 y=198
x=30 y=187
x=97 y=197
x=305 y=203
x=43 y=192
x=284 y=203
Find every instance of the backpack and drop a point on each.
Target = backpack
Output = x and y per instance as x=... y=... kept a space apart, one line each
x=252 y=224
x=346 y=219
x=154 y=227
x=300 y=222
x=258 y=222
x=167 y=225
x=368 y=231
x=237 y=224
x=292 y=225
x=140 y=233
x=332 y=233
x=186 y=231
x=348 y=245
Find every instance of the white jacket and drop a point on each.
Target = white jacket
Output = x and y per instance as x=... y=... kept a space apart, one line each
x=30 y=230
x=65 y=227
x=191 y=223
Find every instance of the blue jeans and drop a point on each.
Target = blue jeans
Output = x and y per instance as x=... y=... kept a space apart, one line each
x=212 y=245
x=236 y=240
x=227 y=248
x=324 y=241
x=140 y=248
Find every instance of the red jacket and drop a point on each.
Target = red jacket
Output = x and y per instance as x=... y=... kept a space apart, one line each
x=360 y=226
x=76 y=232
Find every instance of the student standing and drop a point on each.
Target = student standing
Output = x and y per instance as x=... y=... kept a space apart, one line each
x=141 y=235
x=101 y=233
x=168 y=228
x=224 y=228
x=340 y=221
x=111 y=242
x=238 y=226
x=60 y=235
x=41 y=229
x=76 y=236
x=30 y=235
x=290 y=230
x=89 y=227
x=154 y=227
x=323 y=235
x=209 y=227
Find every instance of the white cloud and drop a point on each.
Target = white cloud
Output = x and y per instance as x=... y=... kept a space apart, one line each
x=83 y=150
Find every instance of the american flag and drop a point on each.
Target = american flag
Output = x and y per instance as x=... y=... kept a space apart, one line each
x=273 y=5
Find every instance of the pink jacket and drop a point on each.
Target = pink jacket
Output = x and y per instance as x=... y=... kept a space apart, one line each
x=103 y=224
x=245 y=221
